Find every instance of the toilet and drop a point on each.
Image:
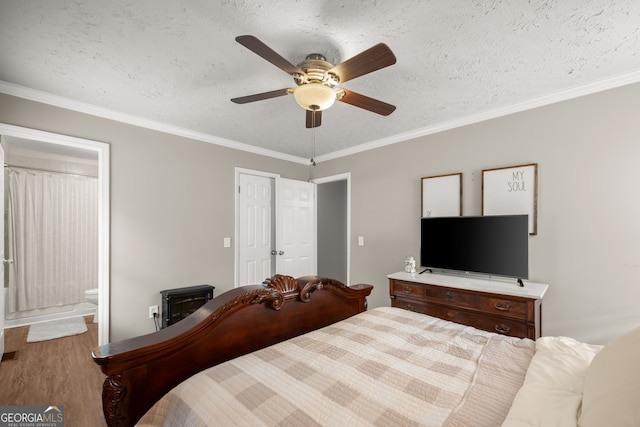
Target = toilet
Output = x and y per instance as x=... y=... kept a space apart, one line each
x=91 y=295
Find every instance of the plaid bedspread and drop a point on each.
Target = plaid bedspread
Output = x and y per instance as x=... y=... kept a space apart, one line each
x=383 y=367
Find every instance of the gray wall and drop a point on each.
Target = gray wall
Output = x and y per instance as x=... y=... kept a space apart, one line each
x=172 y=203
x=588 y=243
x=332 y=229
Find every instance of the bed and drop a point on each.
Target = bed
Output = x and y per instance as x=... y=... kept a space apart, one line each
x=307 y=352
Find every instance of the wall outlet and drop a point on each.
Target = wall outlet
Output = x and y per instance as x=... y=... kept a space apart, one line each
x=153 y=309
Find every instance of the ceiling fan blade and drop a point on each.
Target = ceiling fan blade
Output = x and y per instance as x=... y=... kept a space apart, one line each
x=372 y=59
x=314 y=122
x=367 y=103
x=256 y=46
x=260 y=96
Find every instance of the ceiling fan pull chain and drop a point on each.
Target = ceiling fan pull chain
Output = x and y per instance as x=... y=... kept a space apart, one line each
x=313 y=137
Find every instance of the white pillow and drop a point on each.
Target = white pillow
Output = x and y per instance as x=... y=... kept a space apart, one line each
x=611 y=394
x=552 y=390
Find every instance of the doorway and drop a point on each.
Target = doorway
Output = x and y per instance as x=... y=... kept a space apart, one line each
x=61 y=144
x=334 y=226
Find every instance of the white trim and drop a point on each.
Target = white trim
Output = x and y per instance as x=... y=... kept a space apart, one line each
x=238 y=171
x=102 y=150
x=69 y=104
x=332 y=178
x=339 y=177
x=563 y=95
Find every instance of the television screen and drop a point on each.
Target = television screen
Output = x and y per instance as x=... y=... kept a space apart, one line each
x=495 y=245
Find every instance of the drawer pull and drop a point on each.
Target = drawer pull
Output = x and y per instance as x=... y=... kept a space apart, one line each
x=408 y=290
x=501 y=328
x=449 y=295
x=502 y=306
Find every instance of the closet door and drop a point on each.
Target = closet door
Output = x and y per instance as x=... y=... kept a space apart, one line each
x=296 y=228
x=276 y=228
x=255 y=229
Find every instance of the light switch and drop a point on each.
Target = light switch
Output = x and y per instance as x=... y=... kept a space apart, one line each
x=360 y=240
x=227 y=242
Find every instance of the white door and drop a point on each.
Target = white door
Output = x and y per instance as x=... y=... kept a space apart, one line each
x=2 y=290
x=275 y=228
x=296 y=228
x=255 y=199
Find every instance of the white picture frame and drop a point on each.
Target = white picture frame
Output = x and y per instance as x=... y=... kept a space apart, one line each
x=512 y=190
x=441 y=195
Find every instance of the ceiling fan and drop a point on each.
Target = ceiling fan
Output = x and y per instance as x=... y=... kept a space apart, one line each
x=317 y=80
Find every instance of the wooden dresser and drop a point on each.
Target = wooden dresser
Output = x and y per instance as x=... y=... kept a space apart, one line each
x=488 y=304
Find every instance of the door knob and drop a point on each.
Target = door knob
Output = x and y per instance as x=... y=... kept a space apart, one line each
x=274 y=252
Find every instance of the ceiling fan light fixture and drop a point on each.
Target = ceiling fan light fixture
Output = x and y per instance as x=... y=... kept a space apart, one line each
x=314 y=96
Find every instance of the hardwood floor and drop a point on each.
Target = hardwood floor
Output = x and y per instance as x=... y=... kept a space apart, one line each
x=55 y=372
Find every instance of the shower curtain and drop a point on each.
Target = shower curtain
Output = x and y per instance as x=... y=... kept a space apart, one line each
x=52 y=237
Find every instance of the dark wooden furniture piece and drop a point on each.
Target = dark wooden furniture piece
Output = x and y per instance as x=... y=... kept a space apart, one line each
x=141 y=370
x=178 y=303
x=499 y=307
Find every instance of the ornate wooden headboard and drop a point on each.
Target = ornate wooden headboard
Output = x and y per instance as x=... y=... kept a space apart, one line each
x=141 y=370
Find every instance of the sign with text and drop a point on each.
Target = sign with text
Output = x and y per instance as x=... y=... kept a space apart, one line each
x=31 y=416
x=442 y=195
x=511 y=190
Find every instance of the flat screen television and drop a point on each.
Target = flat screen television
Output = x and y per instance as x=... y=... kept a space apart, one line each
x=494 y=245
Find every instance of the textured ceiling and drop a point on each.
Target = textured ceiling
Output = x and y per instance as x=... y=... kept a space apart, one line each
x=176 y=64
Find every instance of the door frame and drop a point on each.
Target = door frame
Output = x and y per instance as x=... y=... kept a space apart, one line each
x=102 y=151
x=340 y=177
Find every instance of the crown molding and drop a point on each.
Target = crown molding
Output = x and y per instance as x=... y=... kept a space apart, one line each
x=59 y=101
x=82 y=107
x=552 y=98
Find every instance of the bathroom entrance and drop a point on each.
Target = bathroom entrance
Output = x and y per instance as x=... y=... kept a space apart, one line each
x=54 y=228
x=51 y=231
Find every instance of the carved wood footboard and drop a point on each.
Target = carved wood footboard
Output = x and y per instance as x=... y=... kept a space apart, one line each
x=141 y=370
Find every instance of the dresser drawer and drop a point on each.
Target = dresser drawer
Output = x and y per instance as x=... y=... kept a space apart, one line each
x=497 y=305
x=409 y=290
x=410 y=305
x=499 y=325
x=501 y=306
x=450 y=296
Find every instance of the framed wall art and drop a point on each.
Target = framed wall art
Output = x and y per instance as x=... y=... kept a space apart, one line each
x=512 y=190
x=442 y=195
